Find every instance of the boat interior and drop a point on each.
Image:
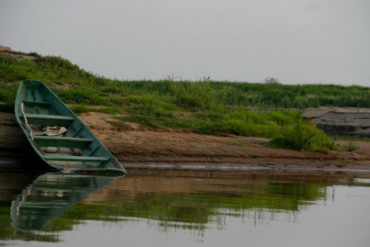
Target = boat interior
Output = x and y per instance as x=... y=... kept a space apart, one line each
x=61 y=138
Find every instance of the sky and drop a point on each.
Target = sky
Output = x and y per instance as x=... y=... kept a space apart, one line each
x=295 y=41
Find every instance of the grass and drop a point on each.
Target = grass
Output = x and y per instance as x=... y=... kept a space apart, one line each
x=352 y=138
x=350 y=147
x=81 y=108
x=209 y=107
x=237 y=144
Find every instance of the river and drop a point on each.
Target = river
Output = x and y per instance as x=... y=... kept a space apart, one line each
x=157 y=207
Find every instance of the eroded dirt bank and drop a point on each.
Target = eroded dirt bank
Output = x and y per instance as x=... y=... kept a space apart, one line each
x=132 y=144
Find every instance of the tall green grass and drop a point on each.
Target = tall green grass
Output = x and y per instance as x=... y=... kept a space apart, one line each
x=57 y=71
x=209 y=107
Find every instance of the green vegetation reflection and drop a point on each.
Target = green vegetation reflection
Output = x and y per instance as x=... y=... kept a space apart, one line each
x=52 y=203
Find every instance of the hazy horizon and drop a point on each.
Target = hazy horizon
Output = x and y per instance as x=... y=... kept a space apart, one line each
x=297 y=42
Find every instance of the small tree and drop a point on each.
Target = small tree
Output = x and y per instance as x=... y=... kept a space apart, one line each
x=271 y=80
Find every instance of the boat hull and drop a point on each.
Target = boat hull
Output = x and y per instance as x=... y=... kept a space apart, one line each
x=57 y=135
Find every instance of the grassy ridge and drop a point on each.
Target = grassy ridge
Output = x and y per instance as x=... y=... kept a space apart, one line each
x=206 y=106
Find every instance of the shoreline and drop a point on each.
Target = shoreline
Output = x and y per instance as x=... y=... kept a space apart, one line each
x=172 y=149
x=208 y=170
x=246 y=167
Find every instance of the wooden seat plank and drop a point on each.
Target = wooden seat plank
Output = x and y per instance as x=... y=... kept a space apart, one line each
x=75 y=158
x=36 y=103
x=60 y=141
x=44 y=119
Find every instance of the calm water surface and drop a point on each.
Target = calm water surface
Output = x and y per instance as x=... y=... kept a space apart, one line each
x=183 y=209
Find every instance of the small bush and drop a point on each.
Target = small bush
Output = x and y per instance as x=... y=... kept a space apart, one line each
x=322 y=143
x=302 y=136
x=271 y=80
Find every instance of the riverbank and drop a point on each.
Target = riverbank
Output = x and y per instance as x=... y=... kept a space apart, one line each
x=134 y=145
x=172 y=149
x=195 y=122
x=218 y=108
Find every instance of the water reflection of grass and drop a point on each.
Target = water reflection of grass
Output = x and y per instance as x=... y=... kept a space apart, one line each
x=187 y=211
x=195 y=211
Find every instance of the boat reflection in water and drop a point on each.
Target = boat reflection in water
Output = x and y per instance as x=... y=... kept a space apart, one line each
x=49 y=196
x=168 y=207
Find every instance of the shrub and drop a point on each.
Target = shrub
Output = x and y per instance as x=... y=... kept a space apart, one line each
x=302 y=136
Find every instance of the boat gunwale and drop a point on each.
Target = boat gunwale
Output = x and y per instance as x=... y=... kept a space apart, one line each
x=22 y=86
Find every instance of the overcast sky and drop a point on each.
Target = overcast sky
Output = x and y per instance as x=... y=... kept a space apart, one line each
x=296 y=41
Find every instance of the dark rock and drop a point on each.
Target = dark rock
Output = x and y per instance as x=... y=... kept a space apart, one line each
x=12 y=140
x=348 y=121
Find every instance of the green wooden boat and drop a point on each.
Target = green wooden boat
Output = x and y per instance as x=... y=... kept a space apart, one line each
x=57 y=135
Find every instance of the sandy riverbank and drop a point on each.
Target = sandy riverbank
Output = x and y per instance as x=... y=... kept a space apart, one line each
x=133 y=145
